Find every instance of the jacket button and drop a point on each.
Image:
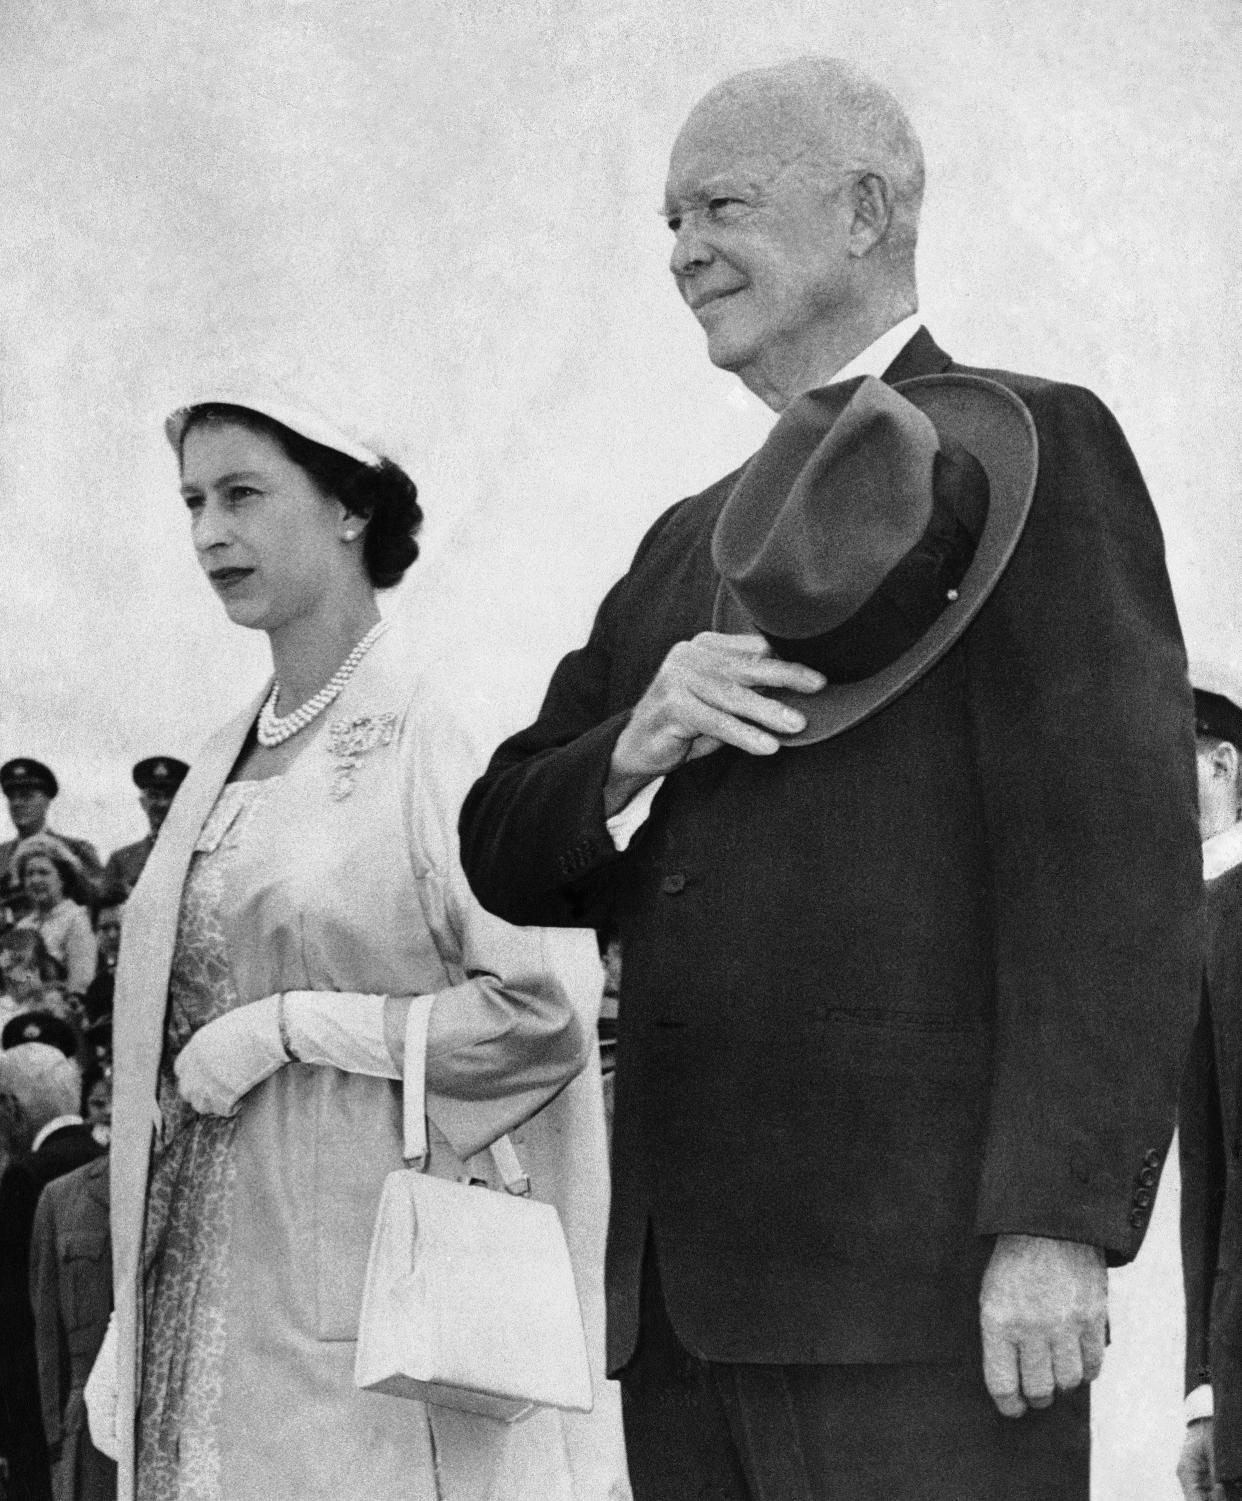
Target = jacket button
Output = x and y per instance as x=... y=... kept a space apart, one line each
x=1142 y=1199
x=1138 y=1219
x=1148 y=1177
x=1151 y=1158
x=674 y=884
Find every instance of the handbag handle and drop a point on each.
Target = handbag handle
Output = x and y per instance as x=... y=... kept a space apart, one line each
x=414 y=1104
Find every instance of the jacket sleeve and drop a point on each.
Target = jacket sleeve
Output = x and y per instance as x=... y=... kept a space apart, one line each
x=50 y=1343
x=1202 y=1156
x=517 y=1021
x=1082 y=721
x=534 y=839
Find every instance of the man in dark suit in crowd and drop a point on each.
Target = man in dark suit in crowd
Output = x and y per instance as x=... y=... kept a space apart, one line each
x=29 y=788
x=905 y=998
x=71 y=1292
x=41 y=1138
x=157 y=779
x=1211 y=1115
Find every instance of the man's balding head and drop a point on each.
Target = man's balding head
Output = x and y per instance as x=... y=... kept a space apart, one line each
x=794 y=194
x=842 y=120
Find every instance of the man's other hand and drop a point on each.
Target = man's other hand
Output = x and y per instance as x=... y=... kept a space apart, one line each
x=709 y=692
x=1042 y=1309
x=1196 y=1469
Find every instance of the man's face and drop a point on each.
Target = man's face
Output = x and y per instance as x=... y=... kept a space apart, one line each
x=108 y=933
x=28 y=809
x=156 y=802
x=762 y=226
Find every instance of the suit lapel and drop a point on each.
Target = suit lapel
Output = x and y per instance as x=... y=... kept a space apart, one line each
x=920 y=356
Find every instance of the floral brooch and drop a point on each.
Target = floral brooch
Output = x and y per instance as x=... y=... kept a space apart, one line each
x=349 y=740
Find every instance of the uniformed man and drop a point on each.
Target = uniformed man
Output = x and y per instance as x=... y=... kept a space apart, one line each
x=29 y=788
x=157 y=779
x=1211 y=1114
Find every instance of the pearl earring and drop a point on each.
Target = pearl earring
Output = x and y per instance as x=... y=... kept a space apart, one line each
x=349 y=536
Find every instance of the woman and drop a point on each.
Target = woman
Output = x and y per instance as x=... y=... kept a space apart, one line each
x=303 y=890
x=50 y=881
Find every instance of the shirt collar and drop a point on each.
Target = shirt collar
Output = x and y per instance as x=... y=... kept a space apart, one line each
x=54 y=1125
x=1222 y=852
x=878 y=356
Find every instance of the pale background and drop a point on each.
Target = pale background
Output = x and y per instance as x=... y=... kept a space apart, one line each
x=453 y=207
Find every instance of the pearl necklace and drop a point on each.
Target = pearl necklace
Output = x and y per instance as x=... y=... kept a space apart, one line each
x=274 y=729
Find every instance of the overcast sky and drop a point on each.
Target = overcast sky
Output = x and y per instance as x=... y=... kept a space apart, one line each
x=452 y=207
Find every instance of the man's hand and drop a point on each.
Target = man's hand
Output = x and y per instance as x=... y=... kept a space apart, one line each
x=1042 y=1310
x=1196 y=1470
x=708 y=692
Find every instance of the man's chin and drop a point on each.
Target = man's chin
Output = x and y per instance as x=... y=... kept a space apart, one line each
x=728 y=352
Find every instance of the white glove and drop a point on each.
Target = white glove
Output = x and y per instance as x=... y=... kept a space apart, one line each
x=100 y=1396
x=224 y=1060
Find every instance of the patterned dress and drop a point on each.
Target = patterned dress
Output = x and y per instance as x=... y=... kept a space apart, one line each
x=189 y=1215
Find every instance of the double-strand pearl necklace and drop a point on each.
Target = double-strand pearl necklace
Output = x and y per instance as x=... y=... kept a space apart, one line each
x=274 y=729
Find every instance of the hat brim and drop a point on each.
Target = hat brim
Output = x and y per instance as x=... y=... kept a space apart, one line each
x=993 y=424
x=303 y=420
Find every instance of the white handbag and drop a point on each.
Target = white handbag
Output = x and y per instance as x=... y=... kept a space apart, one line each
x=469 y=1299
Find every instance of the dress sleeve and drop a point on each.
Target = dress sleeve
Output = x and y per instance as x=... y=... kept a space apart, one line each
x=515 y=1023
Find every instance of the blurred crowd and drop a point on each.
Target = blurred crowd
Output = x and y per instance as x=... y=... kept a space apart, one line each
x=61 y=915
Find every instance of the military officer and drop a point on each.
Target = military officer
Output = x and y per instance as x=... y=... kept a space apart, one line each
x=157 y=779
x=29 y=788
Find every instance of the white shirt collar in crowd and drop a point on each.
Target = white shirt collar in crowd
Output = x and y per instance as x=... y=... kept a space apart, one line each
x=54 y=1125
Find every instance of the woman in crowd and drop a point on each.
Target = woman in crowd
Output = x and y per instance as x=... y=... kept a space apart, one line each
x=51 y=882
x=304 y=890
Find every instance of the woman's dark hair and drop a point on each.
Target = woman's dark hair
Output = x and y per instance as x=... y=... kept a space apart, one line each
x=383 y=495
x=72 y=883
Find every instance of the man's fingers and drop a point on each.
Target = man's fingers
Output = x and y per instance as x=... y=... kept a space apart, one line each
x=704 y=720
x=1000 y=1375
x=1035 y=1365
x=1092 y=1345
x=1067 y=1362
x=745 y=703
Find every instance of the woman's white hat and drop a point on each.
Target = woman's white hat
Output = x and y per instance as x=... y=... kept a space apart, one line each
x=262 y=392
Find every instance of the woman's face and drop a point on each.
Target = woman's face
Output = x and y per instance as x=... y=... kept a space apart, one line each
x=266 y=536
x=41 y=882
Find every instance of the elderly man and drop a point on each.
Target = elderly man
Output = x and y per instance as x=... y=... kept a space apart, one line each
x=157 y=779
x=1211 y=1113
x=880 y=762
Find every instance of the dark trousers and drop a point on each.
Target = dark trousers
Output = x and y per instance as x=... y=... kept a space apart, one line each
x=699 y=1430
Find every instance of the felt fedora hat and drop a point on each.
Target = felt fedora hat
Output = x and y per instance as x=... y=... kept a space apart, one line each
x=1218 y=701
x=868 y=531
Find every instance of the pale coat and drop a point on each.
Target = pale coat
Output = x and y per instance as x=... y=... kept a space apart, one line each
x=365 y=894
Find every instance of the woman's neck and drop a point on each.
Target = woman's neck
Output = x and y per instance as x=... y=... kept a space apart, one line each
x=307 y=651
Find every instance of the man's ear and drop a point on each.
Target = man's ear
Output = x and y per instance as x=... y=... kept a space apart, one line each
x=872 y=202
x=1225 y=762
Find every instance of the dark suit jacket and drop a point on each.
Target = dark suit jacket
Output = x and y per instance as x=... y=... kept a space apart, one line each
x=891 y=994
x=124 y=866
x=1211 y=1146
x=67 y=1147
x=71 y=1292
